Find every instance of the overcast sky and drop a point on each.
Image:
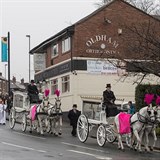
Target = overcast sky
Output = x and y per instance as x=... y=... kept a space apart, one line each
x=40 y=19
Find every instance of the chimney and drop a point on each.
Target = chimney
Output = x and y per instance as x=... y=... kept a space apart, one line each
x=14 y=79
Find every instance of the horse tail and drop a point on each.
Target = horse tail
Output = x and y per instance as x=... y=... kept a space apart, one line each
x=115 y=127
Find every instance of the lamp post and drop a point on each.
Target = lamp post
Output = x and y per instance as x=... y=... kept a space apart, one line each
x=5 y=70
x=29 y=37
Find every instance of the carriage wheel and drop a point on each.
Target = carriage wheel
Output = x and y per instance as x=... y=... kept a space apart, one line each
x=110 y=136
x=12 y=119
x=101 y=135
x=82 y=128
x=24 y=122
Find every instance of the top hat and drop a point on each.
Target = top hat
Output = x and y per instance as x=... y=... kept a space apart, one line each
x=108 y=85
x=75 y=105
x=32 y=81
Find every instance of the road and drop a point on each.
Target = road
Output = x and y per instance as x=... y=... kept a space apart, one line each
x=16 y=145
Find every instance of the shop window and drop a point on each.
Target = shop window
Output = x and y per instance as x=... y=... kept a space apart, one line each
x=54 y=51
x=54 y=85
x=65 y=84
x=66 y=44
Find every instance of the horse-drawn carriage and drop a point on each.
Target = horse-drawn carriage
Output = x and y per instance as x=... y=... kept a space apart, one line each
x=93 y=119
x=21 y=109
x=41 y=115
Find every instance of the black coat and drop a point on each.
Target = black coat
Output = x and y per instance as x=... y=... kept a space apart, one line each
x=73 y=117
x=32 y=89
x=108 y=96
x=108 y=101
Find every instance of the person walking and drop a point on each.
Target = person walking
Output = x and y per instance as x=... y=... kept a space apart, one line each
x=2 y=112
x=108 y=101
x=73 y=116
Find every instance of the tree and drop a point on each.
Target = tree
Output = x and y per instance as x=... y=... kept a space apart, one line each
x=143 y=44
x=142 y=41
x=148 y=6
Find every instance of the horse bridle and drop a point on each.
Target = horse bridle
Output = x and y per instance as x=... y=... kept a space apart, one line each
x=157 y=117
x=146 y=120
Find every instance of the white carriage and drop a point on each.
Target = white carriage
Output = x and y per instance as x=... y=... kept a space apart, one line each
x=93 y=118
x=20 y=110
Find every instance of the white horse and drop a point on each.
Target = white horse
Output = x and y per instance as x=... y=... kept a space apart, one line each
x=55 y=118
x=40 y=115
x=151 y=129
x=138 y=122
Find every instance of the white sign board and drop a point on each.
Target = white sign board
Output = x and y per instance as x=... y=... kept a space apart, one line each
x=39 y=62
x=101 y=67
x=94 y=66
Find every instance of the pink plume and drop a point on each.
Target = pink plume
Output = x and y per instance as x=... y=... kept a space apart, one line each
x=46 y=92
x=57 y=92
x=158 y=100
x=148 y=98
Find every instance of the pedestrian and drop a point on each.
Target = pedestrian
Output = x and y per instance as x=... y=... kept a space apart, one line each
x=2 y=112
x=9 y=103
x=108 y=101
x=33 y=92
x=131 y=109
x=73 y=115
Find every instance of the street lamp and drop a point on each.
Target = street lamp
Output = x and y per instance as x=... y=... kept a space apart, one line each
x=29 y=37
x=5 y=70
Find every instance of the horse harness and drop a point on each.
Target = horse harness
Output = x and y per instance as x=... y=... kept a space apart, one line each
x=143 y=120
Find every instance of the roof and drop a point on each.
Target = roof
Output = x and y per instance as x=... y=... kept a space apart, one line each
x=2 y=78
x=42 y=46
x=156 y=16
x=17 y=85
x=45 y=43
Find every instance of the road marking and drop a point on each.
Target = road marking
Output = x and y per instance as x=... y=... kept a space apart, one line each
x=89 y=154
x=29 y=135
x=93 y=149
x=18 y=146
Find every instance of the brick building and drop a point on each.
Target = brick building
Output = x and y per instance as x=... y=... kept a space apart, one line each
x=75 y=60
x=3 y=85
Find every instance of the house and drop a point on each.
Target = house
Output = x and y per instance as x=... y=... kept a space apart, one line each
x=79 y=60
x=3 y=85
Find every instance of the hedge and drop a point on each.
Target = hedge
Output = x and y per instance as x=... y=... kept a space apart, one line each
x=140 y=92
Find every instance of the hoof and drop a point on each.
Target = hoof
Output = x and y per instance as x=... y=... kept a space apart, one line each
x=151 y=148
x=123 y=150
x=30 y=131
x=119 y=148
x=60 y=133
x=55 y=134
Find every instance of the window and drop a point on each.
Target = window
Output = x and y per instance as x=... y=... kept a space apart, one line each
x=66 y=45
x=54 y=85
x=92 y=109
x=65 y=84
x=54 y=51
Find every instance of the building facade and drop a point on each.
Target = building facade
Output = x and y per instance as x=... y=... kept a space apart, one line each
x=3 y=86
x=82 y=58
